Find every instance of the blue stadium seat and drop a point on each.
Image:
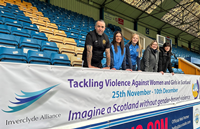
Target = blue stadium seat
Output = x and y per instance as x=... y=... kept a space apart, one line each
x=82 y=37
x=7 y=15
x=38 y=58
x=4 y=29
x=59 y=18
x=12 y=6
x=84 y=33
x=67 y=24
x=103 y=62
x=38 y=35
x=173 y=62
x=49 y=46
x=12 y=55
x=180 y=71
x=23 y=18
x=28 y=42
x=76 y=26
x=48 y=52
x=57 y=22
x=11 y=22
x=17 y=12
x=175 y=70
x=60 y=59
x=8 y=46
x=4 y=8
x=26 y=49
x=8 y=39
x=75 y=31
x=19 y=32
x=85 y=29
x=64 y=28
x=30 y=26
x=80 y=43
x=1 y=20
x=72 y=35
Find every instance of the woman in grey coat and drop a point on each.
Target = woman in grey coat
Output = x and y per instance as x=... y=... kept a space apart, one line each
x=149 y=62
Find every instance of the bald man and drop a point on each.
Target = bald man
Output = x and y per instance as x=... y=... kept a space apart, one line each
x=96 y=44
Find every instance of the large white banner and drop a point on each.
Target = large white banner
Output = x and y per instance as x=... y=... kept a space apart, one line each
x=36 y=96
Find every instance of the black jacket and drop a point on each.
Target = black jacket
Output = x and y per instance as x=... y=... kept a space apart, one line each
x=149 y=62
x=164 y=61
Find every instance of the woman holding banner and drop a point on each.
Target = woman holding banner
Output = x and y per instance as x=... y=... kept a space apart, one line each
x=117 y=52
x=149 y=62
x=165 y=59
x=134 y=51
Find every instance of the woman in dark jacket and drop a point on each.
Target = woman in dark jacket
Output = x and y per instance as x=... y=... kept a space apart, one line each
x=117 y=52
x=165 y=59
x=149 y=62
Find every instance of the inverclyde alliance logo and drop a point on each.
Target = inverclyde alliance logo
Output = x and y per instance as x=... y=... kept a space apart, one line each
x=27 y=99
x=196 y=116
x=195 y=89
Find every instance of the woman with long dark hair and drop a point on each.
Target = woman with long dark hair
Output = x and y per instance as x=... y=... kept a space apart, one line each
x=117 y=52
x=165 y=59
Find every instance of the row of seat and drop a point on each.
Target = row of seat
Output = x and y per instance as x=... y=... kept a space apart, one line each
x=36 y=57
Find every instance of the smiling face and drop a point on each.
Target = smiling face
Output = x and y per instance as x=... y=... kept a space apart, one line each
x=100 y=27
x=154 y=45
x=135 y=39
x=118 y=38
x=167 y=48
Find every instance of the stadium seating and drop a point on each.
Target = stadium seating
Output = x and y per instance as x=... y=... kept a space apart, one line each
x=4 y=29
x=69 y=41
x=38 y=35
x=51 y=46
x=11 y=22
x=59 y=33
x=46 y=30
x=76 y=61
x=4 y=14
x=8 y=39
x=79 y=51
x=23 y=18
x=12 y=55
x=19 y=32
x=34 y=57
x=29 y=43
x=60 y=59
x=38 y=22
x=30 y=26
x=57 y=39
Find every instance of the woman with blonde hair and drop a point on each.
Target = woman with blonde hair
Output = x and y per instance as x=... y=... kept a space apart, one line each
x=133 y=53
x=150 y=58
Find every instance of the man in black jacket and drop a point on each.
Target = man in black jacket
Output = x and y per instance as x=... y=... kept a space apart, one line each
x=96 y=43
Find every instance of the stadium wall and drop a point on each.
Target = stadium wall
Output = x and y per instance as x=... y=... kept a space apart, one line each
x=142 y=29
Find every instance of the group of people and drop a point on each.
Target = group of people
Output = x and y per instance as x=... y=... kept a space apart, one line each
x=154 y=59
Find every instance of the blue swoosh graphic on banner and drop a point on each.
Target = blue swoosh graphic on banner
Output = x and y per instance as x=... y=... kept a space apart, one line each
x=28 y=99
